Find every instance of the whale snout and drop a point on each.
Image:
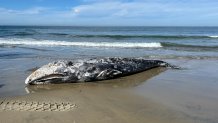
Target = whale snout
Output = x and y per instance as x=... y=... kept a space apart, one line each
x=46 y=74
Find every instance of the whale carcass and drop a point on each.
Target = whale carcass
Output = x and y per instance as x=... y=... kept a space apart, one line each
x=93 y=69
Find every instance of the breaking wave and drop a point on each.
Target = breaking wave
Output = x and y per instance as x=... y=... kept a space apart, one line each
x=214 y=36
x=170 y=45
x=86 y=44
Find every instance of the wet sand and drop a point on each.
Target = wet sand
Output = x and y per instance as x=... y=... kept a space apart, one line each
x=156 y=96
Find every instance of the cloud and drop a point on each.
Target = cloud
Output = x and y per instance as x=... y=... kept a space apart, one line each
x=28 y=16
x=142 y=9
x=96 y=10
x=35 y=10
x=118 y=12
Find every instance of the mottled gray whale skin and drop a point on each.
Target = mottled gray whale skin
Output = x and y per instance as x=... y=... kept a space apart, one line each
x=94 y=69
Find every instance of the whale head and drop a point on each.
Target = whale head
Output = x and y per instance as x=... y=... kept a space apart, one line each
x=54 y=72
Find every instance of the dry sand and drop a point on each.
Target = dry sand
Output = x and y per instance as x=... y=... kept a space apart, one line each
x=93 y=104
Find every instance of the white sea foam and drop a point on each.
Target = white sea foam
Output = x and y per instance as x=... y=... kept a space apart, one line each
x=34 y=42
x=214 y=36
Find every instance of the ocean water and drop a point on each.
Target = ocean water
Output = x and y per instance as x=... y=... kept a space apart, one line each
x=70 y=42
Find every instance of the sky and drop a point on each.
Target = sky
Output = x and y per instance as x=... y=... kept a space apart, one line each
x=109 y=12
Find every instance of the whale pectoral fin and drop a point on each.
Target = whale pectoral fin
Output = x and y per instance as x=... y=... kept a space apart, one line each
x=109 y=73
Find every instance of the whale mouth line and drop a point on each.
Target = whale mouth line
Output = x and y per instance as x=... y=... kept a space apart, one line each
x=48 y=78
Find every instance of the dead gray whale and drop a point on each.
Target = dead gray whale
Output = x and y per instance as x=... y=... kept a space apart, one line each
x=94 y=69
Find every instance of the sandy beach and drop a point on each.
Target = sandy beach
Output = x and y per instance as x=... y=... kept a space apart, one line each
x=158 y=96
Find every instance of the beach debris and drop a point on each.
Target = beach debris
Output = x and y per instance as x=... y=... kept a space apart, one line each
x=93 y=69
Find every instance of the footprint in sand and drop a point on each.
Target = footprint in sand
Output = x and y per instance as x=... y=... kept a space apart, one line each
x=35 y=106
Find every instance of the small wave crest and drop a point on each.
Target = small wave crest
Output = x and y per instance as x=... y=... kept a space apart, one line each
x=58 y=34
x=169 y=44
x=213 y=36
x=190 y=57
x=85 y=44
x=13 y=55
x=23 y=34
x=136 y=36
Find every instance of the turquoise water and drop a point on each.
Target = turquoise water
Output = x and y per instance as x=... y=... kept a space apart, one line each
x=68 y=42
